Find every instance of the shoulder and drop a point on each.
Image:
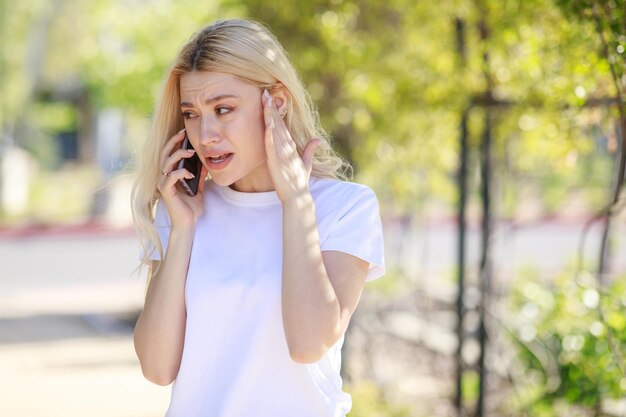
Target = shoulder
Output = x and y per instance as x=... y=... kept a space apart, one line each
x=337 y=195
x=328 y=187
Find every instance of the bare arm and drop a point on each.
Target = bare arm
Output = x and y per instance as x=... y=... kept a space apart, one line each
x=320 y=290
x=160 y=329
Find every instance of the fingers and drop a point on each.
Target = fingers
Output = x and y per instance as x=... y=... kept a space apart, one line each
x=267 y=110
x=168 y=182
x=278 y=140
x=171 y=163
x=269 y=125
x=170 y=145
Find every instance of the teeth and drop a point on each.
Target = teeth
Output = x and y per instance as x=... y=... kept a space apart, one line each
x=219 y=158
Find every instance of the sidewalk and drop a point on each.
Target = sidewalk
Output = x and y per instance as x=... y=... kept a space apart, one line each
x=68 y=303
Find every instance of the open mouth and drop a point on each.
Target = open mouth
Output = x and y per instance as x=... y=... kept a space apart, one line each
x=219 y=158
x=219 y=161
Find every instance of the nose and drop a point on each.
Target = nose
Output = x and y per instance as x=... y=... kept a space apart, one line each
x=209 y=132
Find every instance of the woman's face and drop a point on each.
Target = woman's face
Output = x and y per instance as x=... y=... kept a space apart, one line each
x=224 y=121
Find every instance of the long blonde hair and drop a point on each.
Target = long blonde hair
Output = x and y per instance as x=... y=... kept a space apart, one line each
x=249 y=51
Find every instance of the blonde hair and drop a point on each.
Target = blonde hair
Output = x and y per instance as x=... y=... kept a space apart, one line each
x=249 y=51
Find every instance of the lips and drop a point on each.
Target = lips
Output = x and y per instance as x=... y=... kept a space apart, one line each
x=217 y=160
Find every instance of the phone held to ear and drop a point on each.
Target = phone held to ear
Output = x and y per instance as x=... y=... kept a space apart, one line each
x=193 y=165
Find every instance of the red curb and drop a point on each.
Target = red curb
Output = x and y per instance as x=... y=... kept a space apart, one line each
x=53 y=230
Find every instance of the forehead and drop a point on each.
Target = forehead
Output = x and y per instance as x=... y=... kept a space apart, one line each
x=201 y=83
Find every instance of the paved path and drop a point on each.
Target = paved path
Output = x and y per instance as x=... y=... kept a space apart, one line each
x=67 y=304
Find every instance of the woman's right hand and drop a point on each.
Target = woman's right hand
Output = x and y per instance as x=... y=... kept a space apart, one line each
x=184 y=209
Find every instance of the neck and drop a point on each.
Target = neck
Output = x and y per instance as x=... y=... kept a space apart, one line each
x=258 y=181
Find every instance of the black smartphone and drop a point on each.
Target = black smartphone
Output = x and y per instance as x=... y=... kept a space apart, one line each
x=193 y=165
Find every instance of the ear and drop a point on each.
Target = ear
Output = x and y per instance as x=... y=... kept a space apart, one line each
x=281 y=98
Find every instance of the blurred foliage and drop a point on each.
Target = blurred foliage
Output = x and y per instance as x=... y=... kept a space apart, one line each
x=368 y=401
x=470 y=387
x=609 y=19
x=57 y=197
x=387 y=77
x=396 y=282
x=571 y=342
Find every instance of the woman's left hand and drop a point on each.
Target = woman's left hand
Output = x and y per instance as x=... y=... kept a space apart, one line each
x=290 y=172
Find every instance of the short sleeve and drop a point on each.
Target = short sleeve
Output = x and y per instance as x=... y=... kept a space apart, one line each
x=358 y=231
x=162 y=224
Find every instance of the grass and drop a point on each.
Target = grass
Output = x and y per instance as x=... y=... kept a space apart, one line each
x=64 y=196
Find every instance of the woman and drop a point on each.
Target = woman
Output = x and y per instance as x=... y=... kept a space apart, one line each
x=253 y=280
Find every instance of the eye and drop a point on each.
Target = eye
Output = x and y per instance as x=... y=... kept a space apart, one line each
x=188 y=115
x=222 y=110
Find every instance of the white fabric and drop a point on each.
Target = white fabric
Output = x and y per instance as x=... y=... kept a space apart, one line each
x=235 y=360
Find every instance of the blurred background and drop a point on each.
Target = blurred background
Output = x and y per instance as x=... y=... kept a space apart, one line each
x=492 y=132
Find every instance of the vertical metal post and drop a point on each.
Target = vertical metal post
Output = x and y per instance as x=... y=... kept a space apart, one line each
x=462 y=184
x=485 y=262
x=460 y=306
x=486 y=176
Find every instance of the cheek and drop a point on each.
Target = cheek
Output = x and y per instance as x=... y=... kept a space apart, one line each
x=261 y=118
x=257 y=124
x=248 y=132
x=256 y=127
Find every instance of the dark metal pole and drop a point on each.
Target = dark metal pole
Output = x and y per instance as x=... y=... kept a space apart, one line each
x=462 y=187
x=460 y=307
x=485 y=263
x=486 y=177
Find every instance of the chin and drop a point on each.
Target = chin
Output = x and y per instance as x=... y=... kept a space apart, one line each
x=222 y=181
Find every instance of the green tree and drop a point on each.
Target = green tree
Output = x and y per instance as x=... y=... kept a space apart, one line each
x=571 y=339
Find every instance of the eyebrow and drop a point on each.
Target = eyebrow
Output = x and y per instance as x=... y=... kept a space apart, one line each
x=210 y=100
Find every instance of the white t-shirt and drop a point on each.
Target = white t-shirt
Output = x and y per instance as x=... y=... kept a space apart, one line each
x=235 y=360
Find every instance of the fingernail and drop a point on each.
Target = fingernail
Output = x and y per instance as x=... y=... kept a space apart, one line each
x=181 y=131
x=266 y=94
x=191 y=150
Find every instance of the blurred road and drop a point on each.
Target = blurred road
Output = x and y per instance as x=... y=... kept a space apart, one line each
x=546 y=246
x=68 y=301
